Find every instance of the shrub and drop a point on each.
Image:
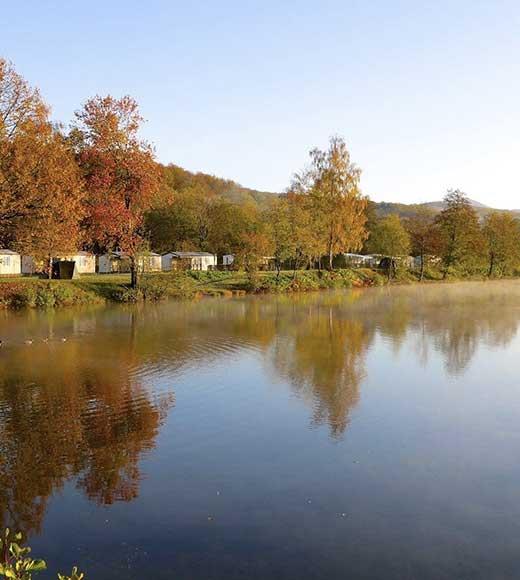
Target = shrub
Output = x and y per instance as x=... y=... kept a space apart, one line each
x=45 y=297
x=154 y=290
x=16 y=564
x=127 y=295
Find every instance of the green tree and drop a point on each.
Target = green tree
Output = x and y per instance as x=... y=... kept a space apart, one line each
x=461 y=242
x=502 y=235
x=424 y=235
x=183 y=224
x=226 y=224
x=281 y=231
x=389 y=237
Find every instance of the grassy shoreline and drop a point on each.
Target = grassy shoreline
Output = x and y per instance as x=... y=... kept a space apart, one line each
x=31 y=292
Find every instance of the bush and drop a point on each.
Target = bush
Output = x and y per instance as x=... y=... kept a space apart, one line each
x=127 y=295
x=45 y=297
x=36 y=294
x=154 y=290
x=15 y=562
x=208 y=275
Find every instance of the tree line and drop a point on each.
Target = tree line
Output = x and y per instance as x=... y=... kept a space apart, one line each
x=96 y=185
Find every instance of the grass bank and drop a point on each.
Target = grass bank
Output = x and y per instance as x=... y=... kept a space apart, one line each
x=27 y=292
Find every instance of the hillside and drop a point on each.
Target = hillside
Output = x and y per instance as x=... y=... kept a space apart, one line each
x=179 y=179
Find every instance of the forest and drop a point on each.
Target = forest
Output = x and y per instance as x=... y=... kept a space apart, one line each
x=94 y=184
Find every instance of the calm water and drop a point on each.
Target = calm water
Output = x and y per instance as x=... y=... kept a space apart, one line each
x=365 y=435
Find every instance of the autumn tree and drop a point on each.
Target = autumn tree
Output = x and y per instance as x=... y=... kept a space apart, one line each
x=40 y=186
x=424 y=235
x=461 y=242
x=502 y=236
x=52 y=225
x=332 y=183
x=23 y=114
x=120 y=173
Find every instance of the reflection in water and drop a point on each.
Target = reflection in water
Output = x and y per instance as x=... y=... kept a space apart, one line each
x=322 y=356
x=71 y=417
x=89 y=409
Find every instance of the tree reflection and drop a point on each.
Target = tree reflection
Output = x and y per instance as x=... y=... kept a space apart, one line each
x=322 y=355
x=75 y=421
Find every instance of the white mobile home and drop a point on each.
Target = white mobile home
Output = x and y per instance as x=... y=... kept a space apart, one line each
x=119 y=263
x=85 y=263
x=150 y=262
x=227 y=260
x=10 y=263
x=188 y=261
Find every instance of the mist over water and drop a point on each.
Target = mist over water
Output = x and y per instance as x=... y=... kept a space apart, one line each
x=362 y=434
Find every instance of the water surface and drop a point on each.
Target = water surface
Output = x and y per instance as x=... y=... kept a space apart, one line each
x=371 y=434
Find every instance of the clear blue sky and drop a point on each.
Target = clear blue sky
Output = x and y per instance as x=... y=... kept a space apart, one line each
x=427 y=94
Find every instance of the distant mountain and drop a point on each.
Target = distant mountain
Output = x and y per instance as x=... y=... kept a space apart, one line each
x=408 y=210
x=439 y=205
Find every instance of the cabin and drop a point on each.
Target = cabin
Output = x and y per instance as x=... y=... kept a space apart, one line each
x=84 y=263
x=348 y=260
x=267 y=263
x=373 y=260
x=10 y=263
x=188 y=261
x=228 y=260
x=150 y=262
x=119 y=263
x=429 y=260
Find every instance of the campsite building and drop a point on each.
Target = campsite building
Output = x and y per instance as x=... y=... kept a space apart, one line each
x=228 y=260
x=84 y=263
x=10 y=263
x=188 y=261
x=119 y=263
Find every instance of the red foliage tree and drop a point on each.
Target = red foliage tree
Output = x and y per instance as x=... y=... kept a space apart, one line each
x=120 y=172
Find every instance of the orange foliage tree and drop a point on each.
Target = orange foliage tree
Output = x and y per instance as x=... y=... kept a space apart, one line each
x=120 y=172
x=40 y=185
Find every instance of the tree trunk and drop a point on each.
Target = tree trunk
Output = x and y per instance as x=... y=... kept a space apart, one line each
x=133 y=273
x=49 y=268
x=421 y=276
x=331 y=256
x=491 y=265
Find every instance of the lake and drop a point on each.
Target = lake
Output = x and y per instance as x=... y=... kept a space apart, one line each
x=368 y=434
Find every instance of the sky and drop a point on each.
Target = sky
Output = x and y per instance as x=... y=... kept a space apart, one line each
x=426 y=94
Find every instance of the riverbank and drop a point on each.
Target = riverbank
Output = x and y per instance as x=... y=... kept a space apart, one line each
x=29 y=292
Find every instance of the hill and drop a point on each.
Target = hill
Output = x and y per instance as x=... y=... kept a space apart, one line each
x=179 y=179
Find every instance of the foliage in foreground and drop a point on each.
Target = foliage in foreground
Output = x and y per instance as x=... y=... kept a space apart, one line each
x=39 y=294
x=16 y=563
